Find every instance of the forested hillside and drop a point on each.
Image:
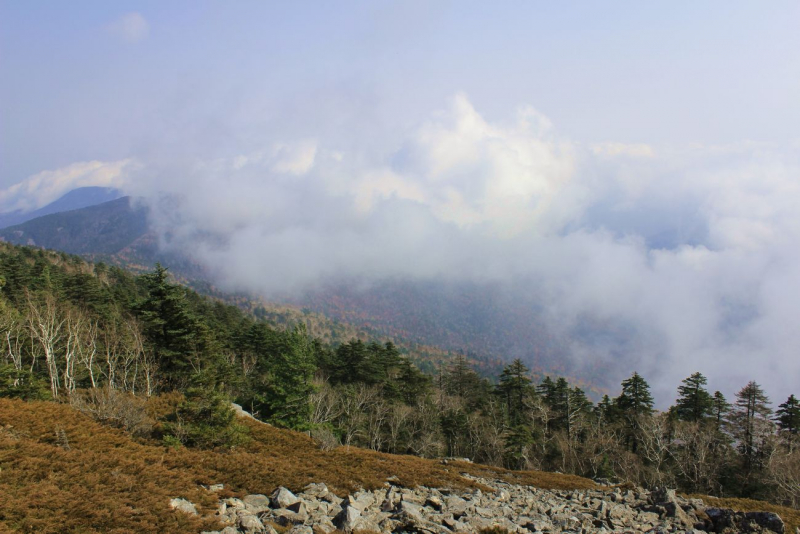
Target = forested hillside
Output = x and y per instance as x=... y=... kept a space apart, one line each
x=103 y=340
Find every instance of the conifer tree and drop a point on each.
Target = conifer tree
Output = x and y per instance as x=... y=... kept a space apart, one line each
x=169 y=326
x=566 y=403
x=205 y=419
x=750 y=421
x=288 y=395
x=720 y=408
x=605 y=411
x=694 y=402
x=788 y=416
x=515 y=389
x=413 y=384
x=459 y=378
x=634 y=403
x=355 y=362
x=635 y=399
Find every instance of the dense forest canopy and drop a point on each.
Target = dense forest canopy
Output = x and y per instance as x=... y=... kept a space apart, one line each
x=100 y=338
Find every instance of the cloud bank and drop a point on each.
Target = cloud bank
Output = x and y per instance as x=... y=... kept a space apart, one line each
x=667 y=260
x=45 y=187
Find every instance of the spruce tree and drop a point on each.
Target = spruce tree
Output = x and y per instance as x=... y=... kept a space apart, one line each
x=205 y=419
x=788 y=416
x=412 y=384
x=169 y=326
x=355 y=362
x=635 y=399
x=566 y=403
x=634 y=403
x=606 y=410
x=515 y=389
x=287 y=399
x=750 y=422
x=720 y=408
x=694 y=402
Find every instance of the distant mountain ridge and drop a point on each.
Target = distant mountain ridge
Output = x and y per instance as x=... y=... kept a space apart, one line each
x=105 y=228
x=81 y=197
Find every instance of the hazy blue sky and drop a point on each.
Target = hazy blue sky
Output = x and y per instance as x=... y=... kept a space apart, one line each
x=76 y=85
x=631 y=164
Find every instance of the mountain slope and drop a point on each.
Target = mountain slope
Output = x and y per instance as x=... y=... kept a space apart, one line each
x=63 y=472
x=490 y=324
x=105 y=228
x=81 y=197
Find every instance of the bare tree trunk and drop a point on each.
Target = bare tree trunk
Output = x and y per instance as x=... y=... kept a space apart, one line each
x=74 y=322
x=45 y=324
x=13 y=343
x=88 y=349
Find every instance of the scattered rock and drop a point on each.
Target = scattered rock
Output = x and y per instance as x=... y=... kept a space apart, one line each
x=282 y=498
x=256 y=503
x=515 y=508
x=182 y=505
x=347 y=519
x=250 y=524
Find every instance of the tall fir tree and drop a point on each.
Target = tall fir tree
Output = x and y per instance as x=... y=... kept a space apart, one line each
x=694 y=402
x=516 y=389
x=287 y=399
x=750 y=422
x=788 y=416
x=635 y=399
x=720 y=408
x=169 y=326
x=634 y=403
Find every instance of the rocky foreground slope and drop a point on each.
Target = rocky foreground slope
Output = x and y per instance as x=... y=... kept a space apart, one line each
x=501 y=506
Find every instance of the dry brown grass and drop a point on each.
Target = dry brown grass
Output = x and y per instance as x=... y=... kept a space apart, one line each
x=790 y=516
x=63 y=472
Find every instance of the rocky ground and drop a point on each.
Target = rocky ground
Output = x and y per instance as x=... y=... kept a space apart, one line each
x=510 y=507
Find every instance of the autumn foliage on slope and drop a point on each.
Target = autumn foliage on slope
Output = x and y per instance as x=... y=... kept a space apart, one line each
x=60 y=471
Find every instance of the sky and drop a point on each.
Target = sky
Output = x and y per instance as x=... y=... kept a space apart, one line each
x=629 y=164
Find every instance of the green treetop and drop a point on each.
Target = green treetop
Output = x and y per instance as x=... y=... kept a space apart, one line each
x=694 y=402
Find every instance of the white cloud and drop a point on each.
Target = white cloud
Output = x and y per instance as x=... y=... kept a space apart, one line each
x=45 y=187
x=473 y=173
x=131 y=27
x=296 y=158
x=635 y=150
x=669 y=260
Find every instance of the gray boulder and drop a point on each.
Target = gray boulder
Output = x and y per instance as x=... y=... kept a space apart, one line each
x=347 y=519
x=256 y=503
x=182 y=505
x=282 y=498
x=250 y=524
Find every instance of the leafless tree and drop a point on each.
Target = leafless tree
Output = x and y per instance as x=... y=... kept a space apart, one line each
x=655 y=444
x=783 y=469
x=45 y=323
x=87 y=349
x=326 y=404
x=12 y=332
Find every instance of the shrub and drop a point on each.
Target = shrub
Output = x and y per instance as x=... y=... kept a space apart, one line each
x=116 y=408
x=325 y=438
x=21 y=384
x=205 y=419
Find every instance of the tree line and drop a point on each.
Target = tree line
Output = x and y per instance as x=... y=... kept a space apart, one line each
x=103 y=339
